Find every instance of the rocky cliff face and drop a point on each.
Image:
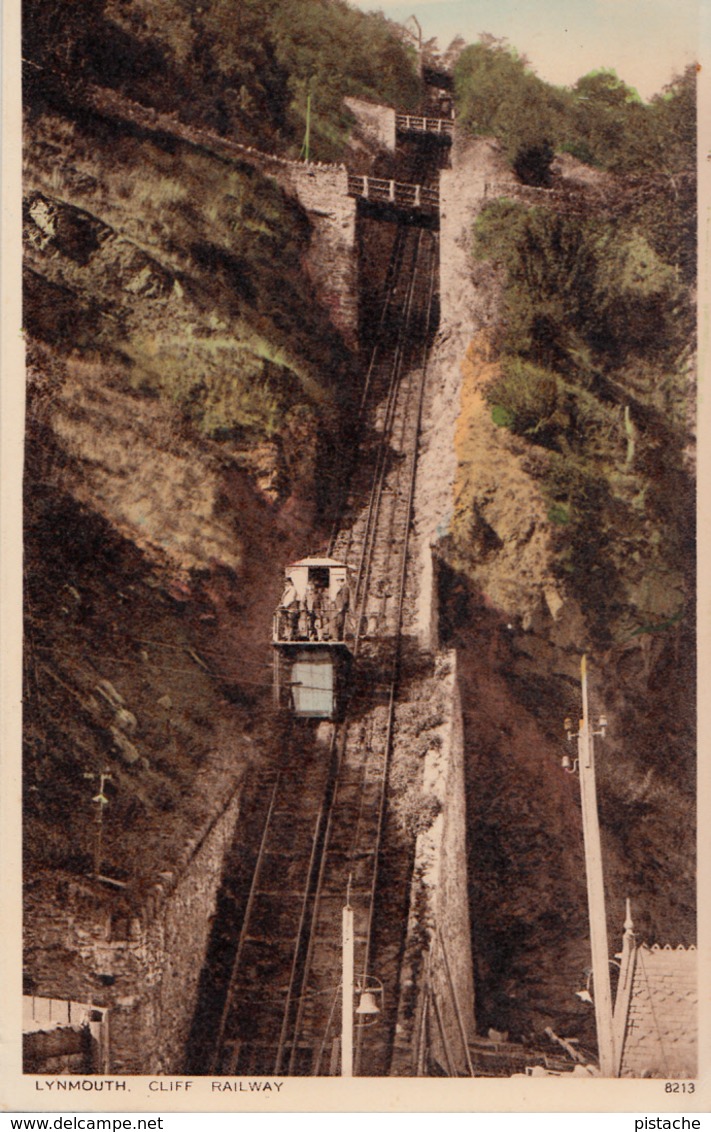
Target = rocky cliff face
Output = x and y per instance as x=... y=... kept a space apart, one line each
x=488 y=549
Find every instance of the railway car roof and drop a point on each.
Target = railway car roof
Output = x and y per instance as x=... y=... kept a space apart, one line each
x=315 y=562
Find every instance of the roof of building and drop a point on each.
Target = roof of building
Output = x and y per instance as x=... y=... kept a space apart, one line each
x=656 y=1009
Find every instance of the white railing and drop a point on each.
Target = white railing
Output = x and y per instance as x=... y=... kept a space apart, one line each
x=382 y=191
x=416 y=124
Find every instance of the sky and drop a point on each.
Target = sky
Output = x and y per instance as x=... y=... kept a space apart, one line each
x=645 y=41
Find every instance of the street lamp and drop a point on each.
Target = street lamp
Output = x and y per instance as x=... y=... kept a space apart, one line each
x=368 y=990
x=585 y=765
x=585 y=994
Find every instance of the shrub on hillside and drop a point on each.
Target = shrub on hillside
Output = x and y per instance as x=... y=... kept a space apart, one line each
x=594 y=341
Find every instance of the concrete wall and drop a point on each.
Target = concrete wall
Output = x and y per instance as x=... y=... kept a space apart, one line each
x=143 y=961
x=374 y=123
x=437 y=984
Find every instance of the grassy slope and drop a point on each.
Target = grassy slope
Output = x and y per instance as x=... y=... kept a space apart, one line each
x=182 y=380
x=222 y=321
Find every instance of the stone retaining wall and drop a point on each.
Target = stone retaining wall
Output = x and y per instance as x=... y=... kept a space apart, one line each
x=436 y=1008
x=332 y=260
x=143 y=960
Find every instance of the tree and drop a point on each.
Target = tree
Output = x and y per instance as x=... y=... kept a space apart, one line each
x=498 y=94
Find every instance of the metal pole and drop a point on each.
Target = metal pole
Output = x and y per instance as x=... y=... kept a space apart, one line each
x=443 y=1034
x=97 y=842
x=347 y=994
x=596 y=888
x=307 y=140
x=276 y=686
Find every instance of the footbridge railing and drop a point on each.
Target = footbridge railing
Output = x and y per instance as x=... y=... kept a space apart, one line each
x=414 y=124
x=420 y=198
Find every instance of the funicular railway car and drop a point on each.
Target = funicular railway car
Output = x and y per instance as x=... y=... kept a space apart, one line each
x=311 y=631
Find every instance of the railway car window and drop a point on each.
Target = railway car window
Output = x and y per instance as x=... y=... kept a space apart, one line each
x=318 y=575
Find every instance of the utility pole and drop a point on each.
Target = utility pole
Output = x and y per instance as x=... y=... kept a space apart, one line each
x=100 y=801
x=595 y=882
x=306 y=147
x=347 y=990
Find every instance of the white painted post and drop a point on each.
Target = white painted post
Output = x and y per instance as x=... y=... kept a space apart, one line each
x=365 y=187
x=392 y=191
x=347 y=994
x=596 y=888
x=418 y=189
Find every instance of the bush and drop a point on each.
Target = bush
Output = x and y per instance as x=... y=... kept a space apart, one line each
x=594 y=344
x=526 y=398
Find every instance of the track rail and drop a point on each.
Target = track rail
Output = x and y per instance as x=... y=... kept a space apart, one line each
x=326 y=813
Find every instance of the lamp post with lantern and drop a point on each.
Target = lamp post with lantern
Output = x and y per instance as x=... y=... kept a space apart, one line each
x=368 y=990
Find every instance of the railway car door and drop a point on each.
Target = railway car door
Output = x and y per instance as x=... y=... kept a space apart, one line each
x=313 y=685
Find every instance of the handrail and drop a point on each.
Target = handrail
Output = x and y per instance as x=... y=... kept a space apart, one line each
x=395 y=192
x=417 y=123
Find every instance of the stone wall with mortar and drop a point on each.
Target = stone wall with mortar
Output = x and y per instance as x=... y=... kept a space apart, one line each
x=436 y=1016
x=332 y=260
x=141 y=959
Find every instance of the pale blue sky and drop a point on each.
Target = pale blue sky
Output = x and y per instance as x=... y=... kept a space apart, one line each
x=645 y=41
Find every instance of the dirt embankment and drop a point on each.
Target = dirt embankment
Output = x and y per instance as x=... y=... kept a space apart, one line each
x=155 y=533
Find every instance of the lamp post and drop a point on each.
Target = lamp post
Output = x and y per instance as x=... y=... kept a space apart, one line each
x=369 y=987
x=347 y=991
x=100 y=801
x=594 y=875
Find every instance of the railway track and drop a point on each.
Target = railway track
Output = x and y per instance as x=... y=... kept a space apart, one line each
x=324 y=824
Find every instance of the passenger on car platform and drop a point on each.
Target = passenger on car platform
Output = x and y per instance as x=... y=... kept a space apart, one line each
x=326 y=627
x=315 y=605
x=304 y=623
x=289 y=611
x=342 y=603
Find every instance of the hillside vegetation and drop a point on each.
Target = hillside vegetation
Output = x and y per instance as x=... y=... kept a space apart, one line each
x=574 y=519
x=190 y=407
x=596 y=333
x=185 y=387
x=248 y=67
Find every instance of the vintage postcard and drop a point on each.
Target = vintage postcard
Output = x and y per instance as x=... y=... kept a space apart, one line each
x=351 y=609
